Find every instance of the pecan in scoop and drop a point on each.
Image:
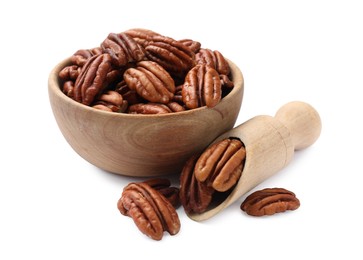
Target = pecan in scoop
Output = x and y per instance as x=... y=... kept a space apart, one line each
x=269 y=201
x=151 y=211
x=195 y=196
x=221 y=165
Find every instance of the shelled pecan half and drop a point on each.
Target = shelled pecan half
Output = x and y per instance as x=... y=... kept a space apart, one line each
x=270 y=201
x=80 y=57
x=151 y=81
x=202 y=87
x=150 y=210
x=163 y=186
x=214 y=59
x=173 y=56
x=70 y=72
x=149 y=108
x=92 y=78
x=68 y=88
x=141 y=35
x=195 y=196
x=123 y=49
x=221 y=165
x=194 y=46
x=110 y=101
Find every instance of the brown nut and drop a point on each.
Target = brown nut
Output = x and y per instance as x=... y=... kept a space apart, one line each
x=173 y=56
x=80 y=57
x=141 y=36
x=68 y=88
x=149 y=108
x=123 y=49
x=221 y=165
x=202 y=87
x=111 y=101
x=152 y=212
x=163 y=186
x=194 y=46
x=150 y=81
x=70 y=72
x=195 y=196
x=270 y=201
x=214 y=59
x=92 y=78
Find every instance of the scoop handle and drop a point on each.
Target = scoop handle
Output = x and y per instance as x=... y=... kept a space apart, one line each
x=302 y=121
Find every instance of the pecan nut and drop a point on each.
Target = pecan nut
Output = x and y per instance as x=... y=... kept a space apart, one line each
x=270 y=201
x=70 y=72
x=152 y=212
x=172 y=55
x=214 y=59
x=163 y=186
x=68 y=88
x=141 y=36
x=128 y=94
x=151 y=81
x=123 y=49
x=80 y=57
x=149 y=108
x=221 y=165
x=92 y=78
x=195 y=196
x=111 y=101
x=194 y=46
x=202 y=87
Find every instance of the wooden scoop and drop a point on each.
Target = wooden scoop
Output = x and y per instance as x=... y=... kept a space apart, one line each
x=270 y=143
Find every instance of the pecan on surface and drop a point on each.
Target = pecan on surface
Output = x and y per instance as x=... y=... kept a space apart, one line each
x=173 y=56
x=195 y=196
x=92 y=78
x=150 y=81
x=123 y=49
x=164 y=187
x=111 y=101
x=269 y=201
x=215 y=59
x=151 y=212
x=202 y=87
x=221 y=164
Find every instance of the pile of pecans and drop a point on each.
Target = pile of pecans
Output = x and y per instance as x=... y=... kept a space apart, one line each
x=139 y=71
x=152 y=203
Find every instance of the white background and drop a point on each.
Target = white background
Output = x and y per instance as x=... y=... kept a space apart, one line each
x=55 y=205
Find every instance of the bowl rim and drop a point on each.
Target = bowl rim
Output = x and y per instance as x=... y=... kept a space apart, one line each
x=54 y=87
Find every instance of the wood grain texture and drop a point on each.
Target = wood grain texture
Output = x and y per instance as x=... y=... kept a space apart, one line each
x=270 y=143
x=141 y=145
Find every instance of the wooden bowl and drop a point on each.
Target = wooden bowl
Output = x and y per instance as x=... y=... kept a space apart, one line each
x=141 y=145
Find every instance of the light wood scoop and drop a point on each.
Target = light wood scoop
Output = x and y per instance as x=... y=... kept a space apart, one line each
x=270 y=143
